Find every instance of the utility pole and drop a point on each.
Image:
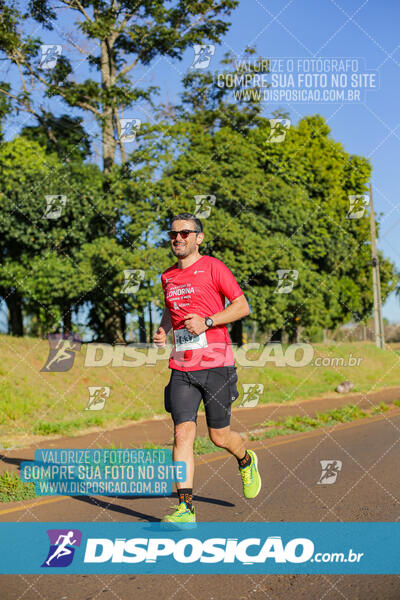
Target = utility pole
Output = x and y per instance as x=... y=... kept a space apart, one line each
x=376 y=282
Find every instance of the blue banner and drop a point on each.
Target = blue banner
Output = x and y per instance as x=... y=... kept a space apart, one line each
x=205 y=548
x=103 y=472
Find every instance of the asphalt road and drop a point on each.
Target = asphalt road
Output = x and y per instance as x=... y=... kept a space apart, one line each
x=366 y=489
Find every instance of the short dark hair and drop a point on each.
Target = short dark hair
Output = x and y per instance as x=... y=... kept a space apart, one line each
x=188 y=217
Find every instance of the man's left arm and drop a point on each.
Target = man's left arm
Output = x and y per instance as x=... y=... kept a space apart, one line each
x=236 y=310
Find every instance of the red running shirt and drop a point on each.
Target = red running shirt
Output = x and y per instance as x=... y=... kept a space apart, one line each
x=200 y=289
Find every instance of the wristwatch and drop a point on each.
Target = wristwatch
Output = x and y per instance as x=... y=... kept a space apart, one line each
x=209 y=322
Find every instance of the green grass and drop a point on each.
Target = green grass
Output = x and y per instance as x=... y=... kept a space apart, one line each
x=35 y=403
x=301 y=423
x=203 y=445
x=382 y=407
x=151 y=446
x=13 y=489
x=66 y=427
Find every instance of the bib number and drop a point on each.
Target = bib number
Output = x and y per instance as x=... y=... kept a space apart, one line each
x=184 y=340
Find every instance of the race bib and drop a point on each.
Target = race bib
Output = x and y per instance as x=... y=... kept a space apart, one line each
x=184 y=340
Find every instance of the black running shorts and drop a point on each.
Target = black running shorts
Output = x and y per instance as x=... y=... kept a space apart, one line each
x=217 y=388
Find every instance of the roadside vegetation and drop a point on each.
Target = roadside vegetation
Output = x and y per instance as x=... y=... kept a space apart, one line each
x=35 y=404
x=13 y=489
x=302 y=423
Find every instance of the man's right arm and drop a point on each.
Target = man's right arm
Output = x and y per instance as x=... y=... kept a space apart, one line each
x=166 y=322
x=160 y=337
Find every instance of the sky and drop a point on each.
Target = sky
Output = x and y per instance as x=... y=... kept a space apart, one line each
x=290 y=34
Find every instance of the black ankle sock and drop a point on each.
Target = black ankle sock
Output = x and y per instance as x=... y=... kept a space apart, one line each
x=186 y=495
x=245 y=461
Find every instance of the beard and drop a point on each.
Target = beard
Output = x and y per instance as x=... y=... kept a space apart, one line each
x=182 y=250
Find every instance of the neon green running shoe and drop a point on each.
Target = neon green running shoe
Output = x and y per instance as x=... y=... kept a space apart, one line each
x=182 y=514
x=251 y=477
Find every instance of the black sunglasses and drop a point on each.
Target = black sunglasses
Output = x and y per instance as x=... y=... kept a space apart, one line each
x=184 y=233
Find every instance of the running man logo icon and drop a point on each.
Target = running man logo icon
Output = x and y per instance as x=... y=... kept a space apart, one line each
x=287 y=279
x=278 y=130
x=62 y=351
x=50 y=54
x=357 y=206
x=203 y=54
x=62 y=547
x=132 y=280
x=330 y=471
x=97 y=397
x=54 y=206
x=251 y=394
x=203 y=205
x=129 y=128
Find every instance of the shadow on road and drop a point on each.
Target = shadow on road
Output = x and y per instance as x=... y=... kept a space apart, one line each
x=11 y=461
x=140 y=515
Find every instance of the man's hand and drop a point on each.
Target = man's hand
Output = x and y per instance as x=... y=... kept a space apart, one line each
x=195 y=324
x=160 y=337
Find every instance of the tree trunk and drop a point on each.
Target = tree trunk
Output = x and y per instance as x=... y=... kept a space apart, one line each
x=237 y=332
x=142 y=327
x=122 y=315
x=107 y=79
x=67 y=320
x=114 y=325
x=294 y=332
x=15 y=322
x=150 y=322
x=276 y=336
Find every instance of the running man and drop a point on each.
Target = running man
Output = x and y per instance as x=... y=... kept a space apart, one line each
x=62 y=549
x=63 y=347
x=201 y=362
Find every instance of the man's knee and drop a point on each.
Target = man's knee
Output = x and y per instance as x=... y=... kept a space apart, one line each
x=220 y=437
x=185 y=433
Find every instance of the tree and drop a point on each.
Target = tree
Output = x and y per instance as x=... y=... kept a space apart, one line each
x=64 y=135
x=126 y=34
x=280 y=207
x=117 y=37
x=39 y=237
x=336 y=247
